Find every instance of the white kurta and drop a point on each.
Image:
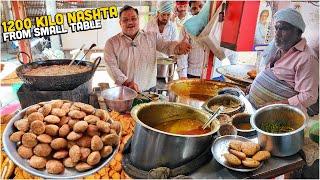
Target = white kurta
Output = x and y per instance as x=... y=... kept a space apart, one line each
x=135 y=60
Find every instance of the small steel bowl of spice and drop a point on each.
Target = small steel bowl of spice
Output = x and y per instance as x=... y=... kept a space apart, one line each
x=224 y=119
x=227 y=129
x=242 y=123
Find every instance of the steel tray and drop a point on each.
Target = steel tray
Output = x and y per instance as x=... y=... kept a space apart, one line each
x=10 y=149
x=220 y=147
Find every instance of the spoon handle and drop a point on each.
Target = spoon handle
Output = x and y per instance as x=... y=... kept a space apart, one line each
x=214 y=116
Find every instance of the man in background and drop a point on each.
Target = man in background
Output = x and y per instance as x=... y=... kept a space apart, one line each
x=162 y=25
x=190 y=65
x=181 y=14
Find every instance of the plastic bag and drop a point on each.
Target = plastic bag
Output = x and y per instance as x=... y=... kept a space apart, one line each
x=211 y=35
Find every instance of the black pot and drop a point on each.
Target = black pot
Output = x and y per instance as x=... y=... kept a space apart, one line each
x=53 y=83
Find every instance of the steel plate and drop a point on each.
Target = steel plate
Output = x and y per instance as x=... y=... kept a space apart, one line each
x=11 y=150
x=237 y=73
x=220 y=147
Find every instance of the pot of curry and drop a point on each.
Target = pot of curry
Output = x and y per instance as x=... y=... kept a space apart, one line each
x=56 y=74
x=169 y=134
x=280 y=129
x=195 y=92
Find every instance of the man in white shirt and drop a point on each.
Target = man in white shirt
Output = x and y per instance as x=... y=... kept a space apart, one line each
x=190 y=65
x=131 y=54
x=162 y=24
x=181 y=14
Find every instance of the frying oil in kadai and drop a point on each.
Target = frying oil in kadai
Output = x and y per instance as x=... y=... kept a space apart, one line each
x=183 y=127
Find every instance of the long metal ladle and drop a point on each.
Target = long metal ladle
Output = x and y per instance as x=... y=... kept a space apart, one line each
x=74 y=58
x=214 y=116
x=92 y=46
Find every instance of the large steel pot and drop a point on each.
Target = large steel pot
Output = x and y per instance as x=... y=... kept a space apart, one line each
x=283 y=144
x=194 y=92
x=165 y=67
x=66 y=82
x=151 y=148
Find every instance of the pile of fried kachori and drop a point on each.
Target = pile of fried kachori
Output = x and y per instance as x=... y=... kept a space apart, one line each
x=246 y=153
x=58 y=134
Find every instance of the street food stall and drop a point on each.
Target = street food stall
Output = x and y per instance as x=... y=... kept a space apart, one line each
x=68 y=123
x=138 y=132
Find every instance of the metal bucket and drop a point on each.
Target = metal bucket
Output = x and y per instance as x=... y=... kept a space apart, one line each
x=151 y=148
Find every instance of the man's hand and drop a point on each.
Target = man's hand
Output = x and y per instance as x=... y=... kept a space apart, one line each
x=132 y=85
x=182 y=48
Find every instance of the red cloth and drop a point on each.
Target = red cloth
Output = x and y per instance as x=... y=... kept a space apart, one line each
x=180 y=3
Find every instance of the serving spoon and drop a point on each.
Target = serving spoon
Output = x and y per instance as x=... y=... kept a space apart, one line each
x=214 y=116
x=92 y=46
x=74 y=58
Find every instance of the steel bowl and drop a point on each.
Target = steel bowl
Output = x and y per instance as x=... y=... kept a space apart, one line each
x=219 y=99
x=151 y=148
x=10 y=149
x=119 y=98
x=194 y=92
x=242 y=118
x=226 y=130
x=280 y=144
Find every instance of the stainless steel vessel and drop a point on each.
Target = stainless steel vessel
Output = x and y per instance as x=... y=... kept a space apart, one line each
x=165 y=67
x=219 y=99
x=280 y=144
x=194 y=92
x=151 y=148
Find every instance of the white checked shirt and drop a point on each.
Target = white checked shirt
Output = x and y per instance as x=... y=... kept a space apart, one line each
x=135 y=60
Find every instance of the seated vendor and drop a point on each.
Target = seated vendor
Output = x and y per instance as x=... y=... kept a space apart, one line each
x=291 y=75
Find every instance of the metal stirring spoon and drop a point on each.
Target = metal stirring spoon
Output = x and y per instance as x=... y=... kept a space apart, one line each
x=92 y=46
x=75 y=56
x=214 y=116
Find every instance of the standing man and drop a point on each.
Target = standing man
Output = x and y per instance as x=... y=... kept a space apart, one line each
x=190 y=65
x=131 y=54
x=181 y=14
x=292 y=72
x=162 y=24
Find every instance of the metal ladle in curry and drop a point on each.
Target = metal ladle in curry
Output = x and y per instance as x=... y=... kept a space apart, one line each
x=214 y=116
